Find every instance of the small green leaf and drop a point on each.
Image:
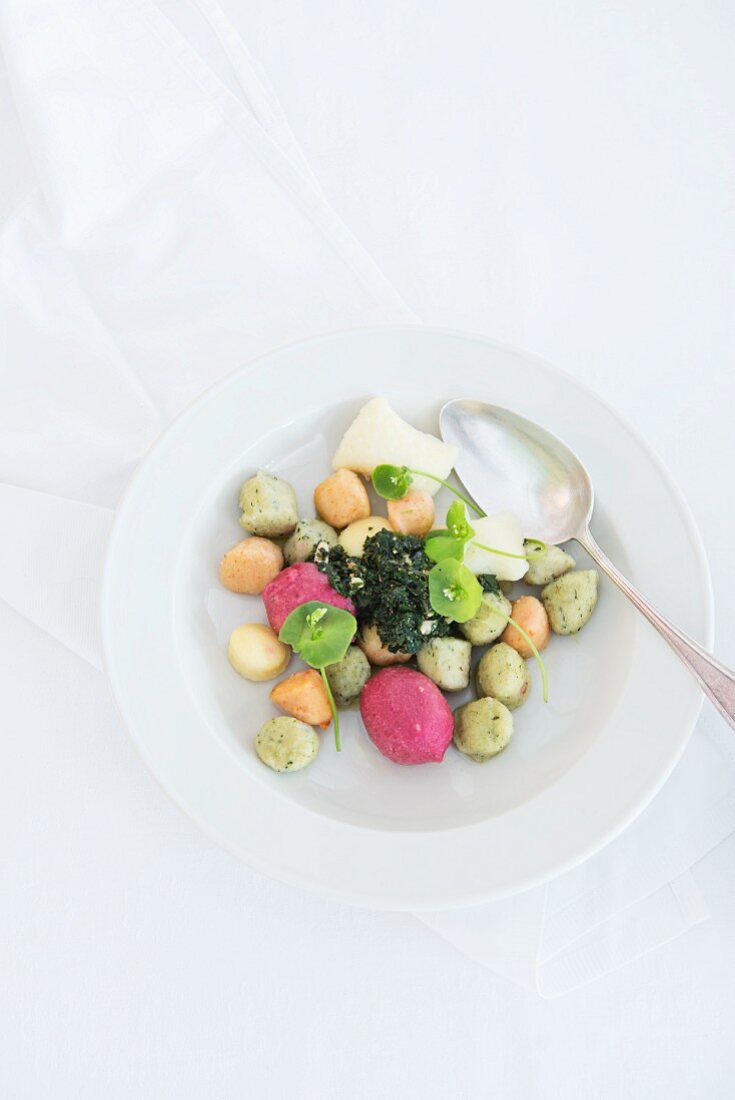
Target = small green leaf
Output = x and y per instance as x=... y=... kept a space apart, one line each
x=391 y=482
x=319 y=633
x=450 y=542
x=440 y=545
x=457 y=523
x=454 y=591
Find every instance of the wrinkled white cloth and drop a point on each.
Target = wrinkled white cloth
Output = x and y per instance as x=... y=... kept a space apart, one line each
x=177 y=232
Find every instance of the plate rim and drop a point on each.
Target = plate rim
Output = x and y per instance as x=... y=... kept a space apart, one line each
x=396 y=902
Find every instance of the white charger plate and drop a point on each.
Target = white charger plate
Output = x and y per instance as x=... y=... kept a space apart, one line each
x=353 y=825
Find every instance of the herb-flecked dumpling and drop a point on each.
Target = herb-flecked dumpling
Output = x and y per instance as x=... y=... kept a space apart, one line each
x=570 y=600
x=268 y=506
x=309 y=533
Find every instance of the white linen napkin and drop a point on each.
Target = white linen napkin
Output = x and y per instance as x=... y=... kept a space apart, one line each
x=177 y=232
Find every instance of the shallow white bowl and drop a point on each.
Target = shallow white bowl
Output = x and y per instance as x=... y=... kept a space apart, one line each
x=353 y=825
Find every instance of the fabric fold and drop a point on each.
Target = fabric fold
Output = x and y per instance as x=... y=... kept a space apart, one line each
x=52 y=572
x=177 y=233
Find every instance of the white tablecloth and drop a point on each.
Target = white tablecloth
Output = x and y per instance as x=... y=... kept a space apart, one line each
x=558 y=177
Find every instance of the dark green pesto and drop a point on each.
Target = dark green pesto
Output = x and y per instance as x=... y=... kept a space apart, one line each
x=490 y=584
x=389 y=588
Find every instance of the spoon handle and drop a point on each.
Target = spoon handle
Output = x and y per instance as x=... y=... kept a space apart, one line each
x=716 y=681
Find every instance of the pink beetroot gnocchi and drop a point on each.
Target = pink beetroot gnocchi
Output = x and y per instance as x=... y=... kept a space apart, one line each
x=407 y=717
x=299 y=584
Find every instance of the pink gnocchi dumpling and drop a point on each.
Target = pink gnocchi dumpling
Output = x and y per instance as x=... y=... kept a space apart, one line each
x=299 y=584
x=406 y=716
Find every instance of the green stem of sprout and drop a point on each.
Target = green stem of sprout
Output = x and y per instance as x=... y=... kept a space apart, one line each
x=537 y=655
x=470 y=504
x=335 y=712
x=521 y=557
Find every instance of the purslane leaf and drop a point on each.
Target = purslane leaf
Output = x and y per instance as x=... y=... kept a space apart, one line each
x=391 y=482
x=454 y=590
x=319 y=633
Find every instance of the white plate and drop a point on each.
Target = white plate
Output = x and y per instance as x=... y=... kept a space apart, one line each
x=353 y=825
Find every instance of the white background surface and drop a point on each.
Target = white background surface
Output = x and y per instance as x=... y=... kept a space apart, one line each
x=558 y=177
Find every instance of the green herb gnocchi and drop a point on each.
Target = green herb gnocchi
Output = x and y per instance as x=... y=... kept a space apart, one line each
x=447 y=662
x=554 y=563
x=268 y=506
x=307 y=537
x=286 y=744
x=489 y=621
x=482 y=729
x=503 y=674
x=348 y=677
x=570 y=600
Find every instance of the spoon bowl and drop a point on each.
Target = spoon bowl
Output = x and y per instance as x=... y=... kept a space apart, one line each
x=508 y=462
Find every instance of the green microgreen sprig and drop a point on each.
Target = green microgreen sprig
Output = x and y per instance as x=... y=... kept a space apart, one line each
x=321 y=635
x=537 y=656
x=533 y=556
x=450 y=541
x=454 y=591
x=393 y=482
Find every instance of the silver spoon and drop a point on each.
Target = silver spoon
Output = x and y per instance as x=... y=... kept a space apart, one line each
x=545 y=483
